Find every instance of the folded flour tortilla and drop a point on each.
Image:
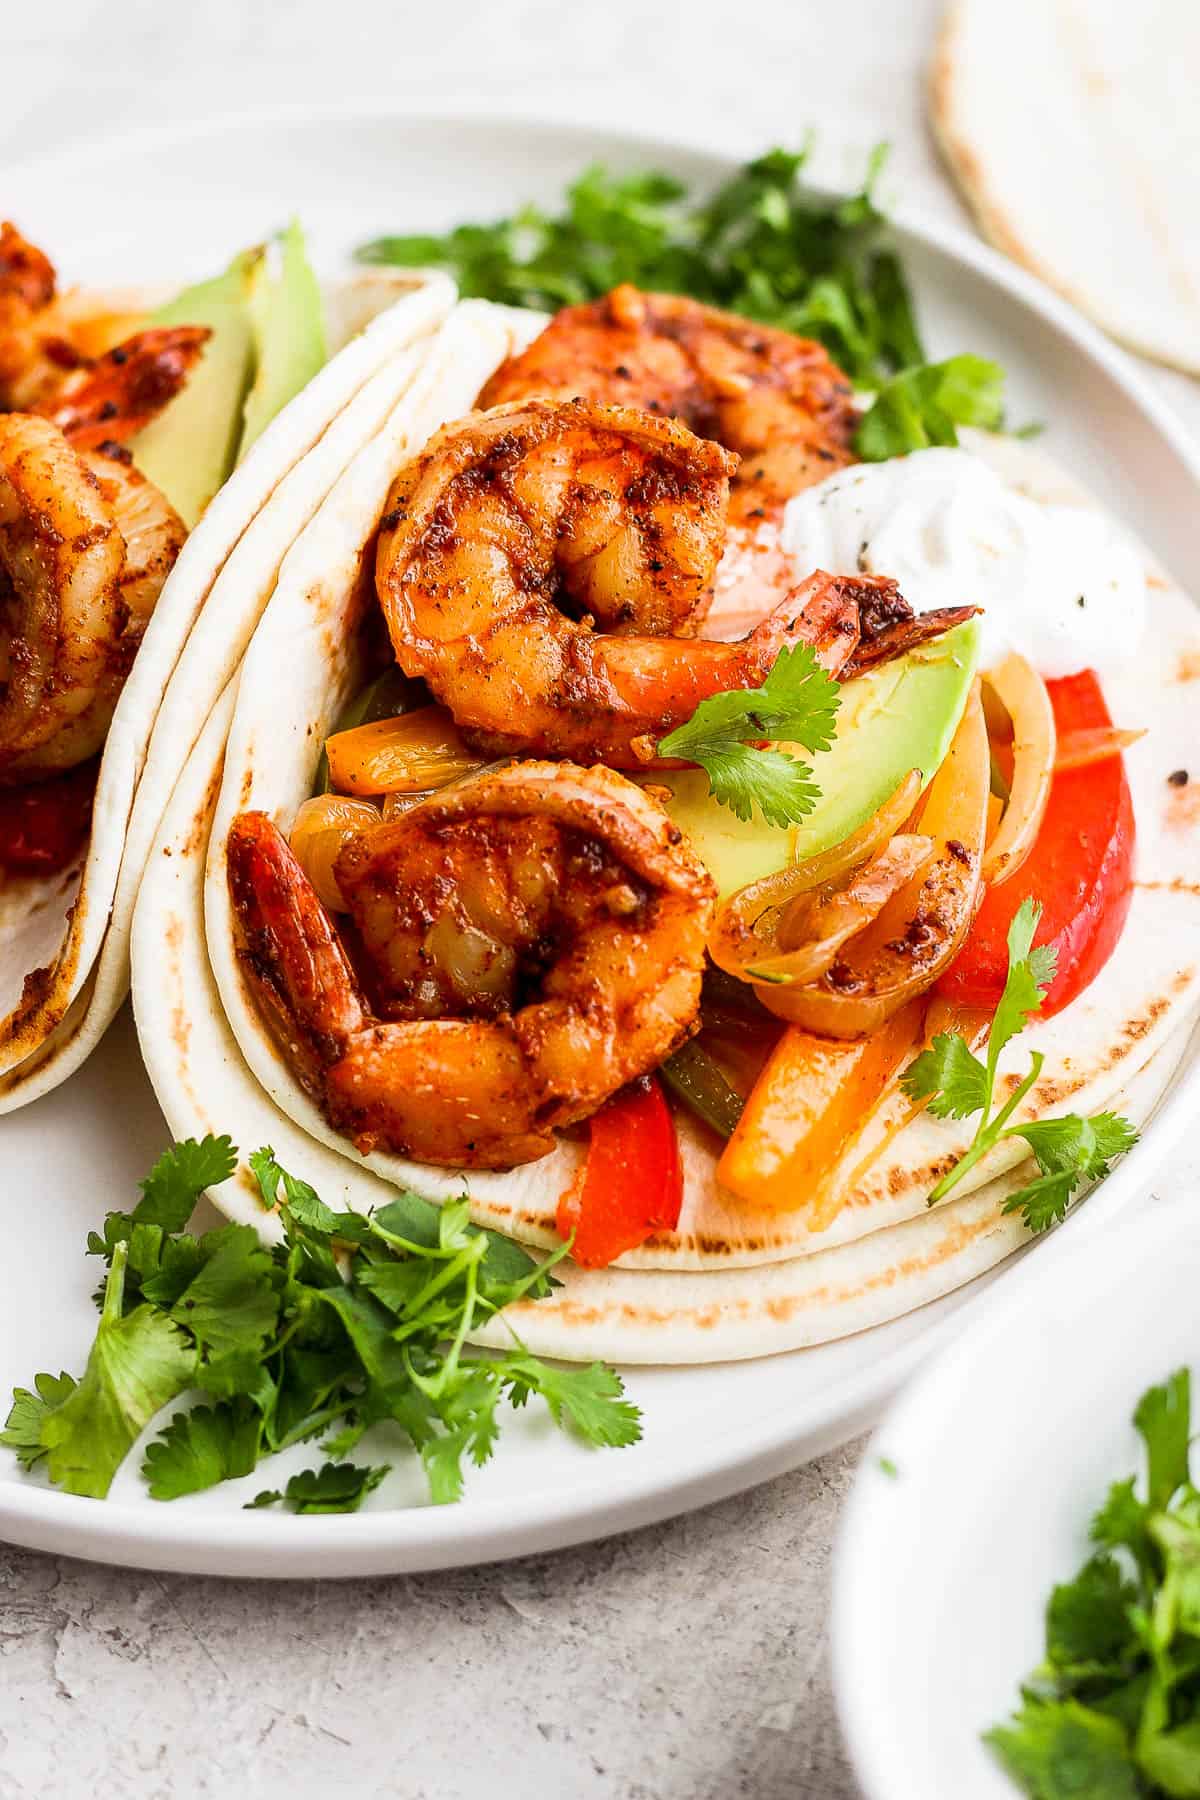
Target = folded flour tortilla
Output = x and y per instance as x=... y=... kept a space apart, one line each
x=64 y=938
x=1070 y=126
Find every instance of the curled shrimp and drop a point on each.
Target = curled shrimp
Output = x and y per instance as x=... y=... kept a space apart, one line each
x=543 y=566
x=528 y=941
x=27 y=292
x=85 y=546
x=51 y=362
x=775 y=399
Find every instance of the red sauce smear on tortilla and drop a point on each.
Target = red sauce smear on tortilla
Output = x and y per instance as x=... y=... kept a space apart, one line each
x=44 y=824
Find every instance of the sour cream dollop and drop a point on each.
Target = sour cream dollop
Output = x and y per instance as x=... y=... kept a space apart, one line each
x=1060 y=584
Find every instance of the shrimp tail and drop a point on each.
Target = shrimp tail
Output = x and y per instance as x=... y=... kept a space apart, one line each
x=117 y=396
x=290 y=952
x=824 y=612
x=899 y=635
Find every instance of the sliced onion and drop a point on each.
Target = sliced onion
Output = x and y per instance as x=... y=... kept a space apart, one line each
x=919 y=932
x=815 y=926
x=745 y=927
x=409 y=754
x=321 y=827
x=1080 y=749
x=1017 y=684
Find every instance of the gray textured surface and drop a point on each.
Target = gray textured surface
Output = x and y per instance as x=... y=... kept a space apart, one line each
x=686 y=1662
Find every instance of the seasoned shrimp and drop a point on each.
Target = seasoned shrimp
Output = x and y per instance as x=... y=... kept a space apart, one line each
x=528 y=941
x=776 y=400
x=85 y=546
x=53 y=358
x=543 y=566
x=27 y=284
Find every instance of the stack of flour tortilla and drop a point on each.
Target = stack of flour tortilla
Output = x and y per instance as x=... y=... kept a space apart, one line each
x=64 y=939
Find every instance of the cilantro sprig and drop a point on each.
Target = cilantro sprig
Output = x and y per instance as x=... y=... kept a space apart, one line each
x=759 y=246
x=797 y=704
x=352 y=1322
x=1113 y=1711
x=925 y=404
x=956 y=1085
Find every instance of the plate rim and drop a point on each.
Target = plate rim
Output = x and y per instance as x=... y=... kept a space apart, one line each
x=485 y=1530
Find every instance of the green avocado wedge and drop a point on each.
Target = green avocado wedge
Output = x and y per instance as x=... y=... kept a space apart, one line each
x=895 y=718
x=189 y=449
x=288 y=319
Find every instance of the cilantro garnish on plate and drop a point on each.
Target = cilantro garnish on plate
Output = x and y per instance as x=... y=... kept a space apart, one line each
x=925 y=404
x=956 y=1085
x=353 y=1321
x=1113 y=1711
x=759 y=246
x=797 y=704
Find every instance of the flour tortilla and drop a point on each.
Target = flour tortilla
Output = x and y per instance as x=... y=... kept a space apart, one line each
x=204 y=1085
x=1092 y=1050
x=64 y=939
x=1071 y=127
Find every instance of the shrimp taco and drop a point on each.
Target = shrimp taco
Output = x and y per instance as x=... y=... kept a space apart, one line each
x=145 y=443
x=702 y=826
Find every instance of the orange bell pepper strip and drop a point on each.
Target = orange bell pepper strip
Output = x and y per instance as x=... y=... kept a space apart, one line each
x=809 y=1101
x=632 y=1182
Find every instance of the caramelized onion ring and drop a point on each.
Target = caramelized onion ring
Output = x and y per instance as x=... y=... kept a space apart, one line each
x=820 y=923
x=919 y=932
x=321 y=827
x=1022 y=692
x=752 y=922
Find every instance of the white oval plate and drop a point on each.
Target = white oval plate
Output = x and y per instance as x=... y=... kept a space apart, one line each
x=71 y=1157
x=1002 y=1452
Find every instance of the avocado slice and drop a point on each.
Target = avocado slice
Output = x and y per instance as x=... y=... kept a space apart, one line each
x=288 y=319
x=189 y=450
x=898 y=717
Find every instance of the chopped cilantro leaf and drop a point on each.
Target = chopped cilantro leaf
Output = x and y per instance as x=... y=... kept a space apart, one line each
x=201 y=1447
x=949 y=1076
x=179 y=1177
x=796 y=704
x=333 y=1488
x=1162 y=1420
x=138 y=1362
x=590 y=1398
x=923 y=406
x=23 y=1427
x=1060 y=1750
x=954 y=1084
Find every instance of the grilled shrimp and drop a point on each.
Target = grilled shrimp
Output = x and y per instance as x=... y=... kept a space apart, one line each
x=776 y=400
x=527 y=941
x=543 y=566
x=85 y=546
x=52 y=362
x=27 y=283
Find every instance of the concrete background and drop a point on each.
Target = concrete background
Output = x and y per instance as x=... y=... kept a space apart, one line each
x=685 y=1662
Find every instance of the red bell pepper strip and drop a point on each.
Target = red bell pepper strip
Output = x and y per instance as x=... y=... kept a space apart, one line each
x=632 y=1181
x=1080 y=871
x=43 y=825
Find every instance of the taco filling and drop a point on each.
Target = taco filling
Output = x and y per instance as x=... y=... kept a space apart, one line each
x=714 y=778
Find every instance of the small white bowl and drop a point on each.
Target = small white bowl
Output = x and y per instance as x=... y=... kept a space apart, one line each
x=1001 y=1454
